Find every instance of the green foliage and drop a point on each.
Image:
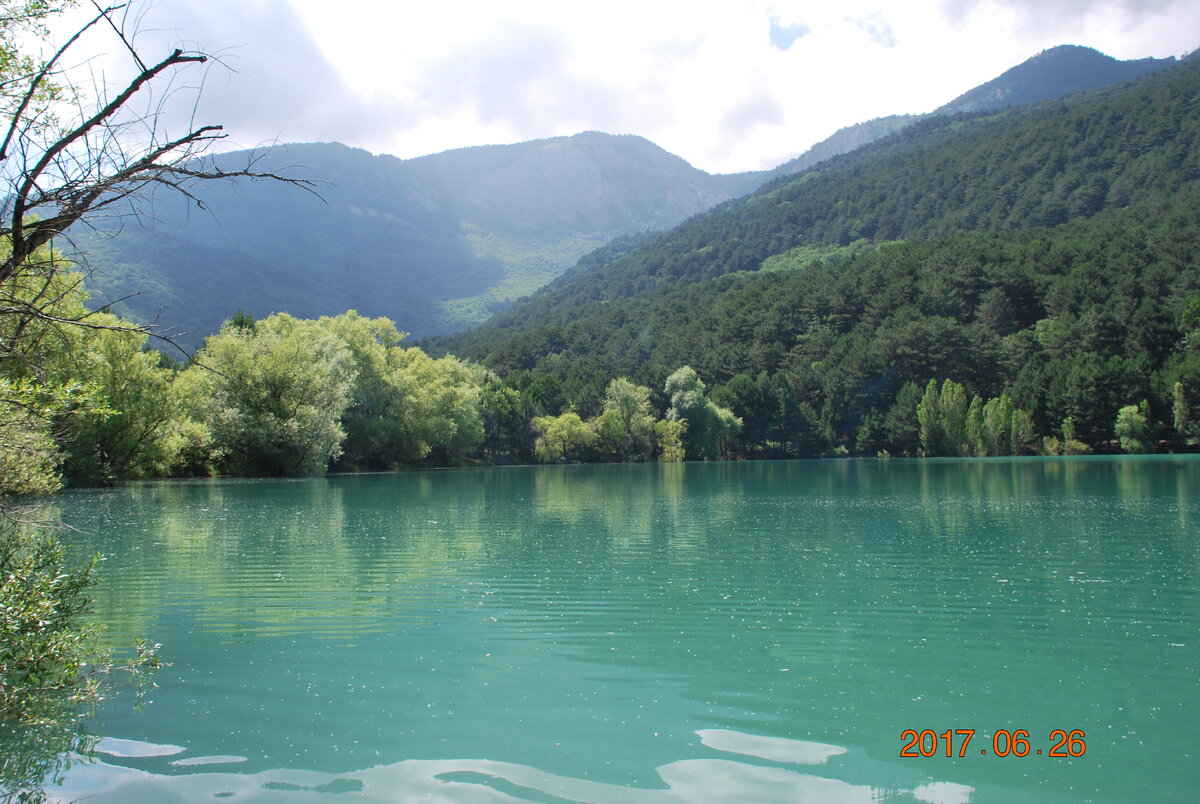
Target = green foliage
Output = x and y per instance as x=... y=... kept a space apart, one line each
x=942 y=416
x=441 y=414
x=241 y=320
x=974 y=430
x=1070 y=445
x=564 y=438
x=50 y=667
x=404 y=406
x=1189 y=319
x=625 y=430
x=626 y=427
x=20 y=19
x=808 y=358
x=1133 y=428
x=1051 y=445
x=1022 y=435
x=135 y=434
x=29 y=455
x=273 y=398
x=1187 y=428
x=709 y=426
x=949 y=426
x=114 y=415
x=802 y=258
x=901 y=427
x=998 y=436
x=506 y=424
x=669 y=435
x=42 y=647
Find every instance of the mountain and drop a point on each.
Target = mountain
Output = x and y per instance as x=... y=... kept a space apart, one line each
x=845 y=140
x=1030 y=166
x=436 y=243
x=1047 y=252
x=1051 y=74
x=441 y=242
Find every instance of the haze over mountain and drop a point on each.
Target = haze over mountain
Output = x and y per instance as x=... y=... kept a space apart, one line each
x=440 y=242
x=435 y=243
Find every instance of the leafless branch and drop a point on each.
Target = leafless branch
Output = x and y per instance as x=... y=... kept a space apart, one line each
x=107 y=14
x=95 y=164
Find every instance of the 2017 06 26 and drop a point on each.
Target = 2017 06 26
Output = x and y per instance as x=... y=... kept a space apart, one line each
x=956 y=742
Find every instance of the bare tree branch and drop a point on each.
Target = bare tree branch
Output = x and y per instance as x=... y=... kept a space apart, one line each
x=120 y=33
x=94 y=164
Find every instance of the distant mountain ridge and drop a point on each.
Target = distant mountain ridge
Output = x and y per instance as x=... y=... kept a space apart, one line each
x=1051 y=74
x=435 y=242
x=591 y=181
x=440 y=242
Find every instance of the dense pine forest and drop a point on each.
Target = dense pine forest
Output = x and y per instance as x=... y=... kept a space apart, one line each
x=1046 y=255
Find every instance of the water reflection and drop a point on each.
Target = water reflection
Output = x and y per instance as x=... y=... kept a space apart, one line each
x=709 y=779
x=34 y=755
x=259 y=556
x=777 y=749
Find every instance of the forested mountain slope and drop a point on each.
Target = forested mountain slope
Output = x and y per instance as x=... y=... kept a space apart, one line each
x=1059 y=71
x=440 y=242
x=843 y=324
x=1037 y=166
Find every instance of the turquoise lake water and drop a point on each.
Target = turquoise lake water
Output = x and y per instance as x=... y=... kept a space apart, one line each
x=695 y=632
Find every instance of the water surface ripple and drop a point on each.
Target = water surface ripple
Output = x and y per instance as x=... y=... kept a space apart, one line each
x=751 y=631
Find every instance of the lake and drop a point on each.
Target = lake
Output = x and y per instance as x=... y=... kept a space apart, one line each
x=684 y=632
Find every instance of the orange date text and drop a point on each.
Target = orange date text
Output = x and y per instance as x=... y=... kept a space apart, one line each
x=1004 y=743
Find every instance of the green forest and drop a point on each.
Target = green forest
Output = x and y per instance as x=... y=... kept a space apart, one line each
x=1015 y=283
x=1046 y=255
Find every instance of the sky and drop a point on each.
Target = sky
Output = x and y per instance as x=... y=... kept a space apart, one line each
x=730 y=86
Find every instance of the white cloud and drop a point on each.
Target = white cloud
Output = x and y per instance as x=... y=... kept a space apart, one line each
x=728 y=86
x=879 y=31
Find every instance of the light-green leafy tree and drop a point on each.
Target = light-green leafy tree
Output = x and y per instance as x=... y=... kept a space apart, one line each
x=949 y=426
x=443 y=409
x=404 y=406
x=1133 y=428
x=709 y=426
x=942 y=416
x=626 y=427
x=668 y=435
x=272 y=398
x=563 y=438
